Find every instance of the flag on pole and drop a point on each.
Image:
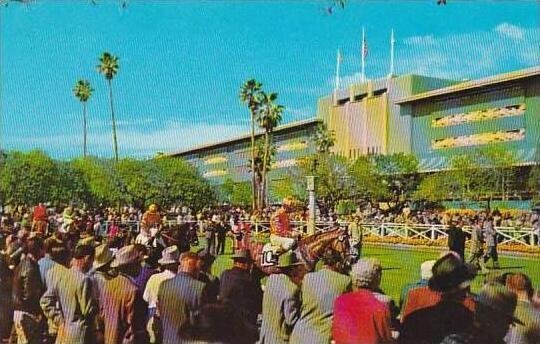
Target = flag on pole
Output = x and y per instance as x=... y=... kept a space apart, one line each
x=364 y=47
x=363 y=54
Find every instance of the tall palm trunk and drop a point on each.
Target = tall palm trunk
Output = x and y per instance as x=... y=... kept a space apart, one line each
x=115 y=141
x=254 y=193
x=265 y=168
x=84 y=130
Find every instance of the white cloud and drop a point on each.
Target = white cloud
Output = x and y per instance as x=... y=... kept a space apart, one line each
x=509 y=30
x=420 y=40
x=174 y=136
x=469 y=55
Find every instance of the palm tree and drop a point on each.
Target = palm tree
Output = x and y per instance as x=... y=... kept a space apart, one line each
x=269 y=116
x=83 y=91
x=108 y=66
x=249 y=96
x=324 y=139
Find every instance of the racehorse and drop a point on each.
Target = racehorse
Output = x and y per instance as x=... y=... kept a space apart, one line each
x=308 y=250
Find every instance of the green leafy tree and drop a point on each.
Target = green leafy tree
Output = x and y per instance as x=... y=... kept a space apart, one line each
x=101 y=179
x=400 y=173
x=289 y=186
x=70 y=186
x=332 y=177
x=368 y=184
x=83 y=91
x=236 y=193
x=435 y=187
x=249 y=93
x=27 y=178
x=181 y=183
x=499 y=169
x=108 y=67
x=269 y=116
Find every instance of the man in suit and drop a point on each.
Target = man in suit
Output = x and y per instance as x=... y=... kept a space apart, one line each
x=179 y=298
x=319 y=291
x=240 y=289
x=72 y=290
x=123 y=307
x=281 y=301
x=456 y=239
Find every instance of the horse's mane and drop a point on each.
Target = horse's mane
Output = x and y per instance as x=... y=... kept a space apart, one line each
x=321 y=236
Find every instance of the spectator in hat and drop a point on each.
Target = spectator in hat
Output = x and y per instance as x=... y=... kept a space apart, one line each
x=70 y=302
x=477 y=245
x=451 y=283
x=60 y=258
x=205 y=274
x=101 y=273
x=123 y=306
x=179 y=298
x=319 y=291
x=281 y=300
x=493 y=317
x=490 y=235
x=425 y=275
x=27 y=290
x=240 y=289
x=528 y=332
x=363 y=315
x=169 y=266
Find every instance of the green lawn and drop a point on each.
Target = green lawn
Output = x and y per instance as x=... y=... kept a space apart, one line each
x=403 y=266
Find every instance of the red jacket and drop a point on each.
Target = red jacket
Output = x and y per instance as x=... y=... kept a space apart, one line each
x=359 y=317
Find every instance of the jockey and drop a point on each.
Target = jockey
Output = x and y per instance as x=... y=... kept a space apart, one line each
x=150 y=223
x=281 y=234
x=40 y=218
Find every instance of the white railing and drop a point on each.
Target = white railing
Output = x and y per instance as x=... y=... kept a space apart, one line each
x=509 y=235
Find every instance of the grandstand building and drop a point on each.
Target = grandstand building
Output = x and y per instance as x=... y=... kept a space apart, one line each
x=429 y=117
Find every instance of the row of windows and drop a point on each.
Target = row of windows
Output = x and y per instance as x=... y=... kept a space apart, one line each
x=479 y=139
x=477 y=116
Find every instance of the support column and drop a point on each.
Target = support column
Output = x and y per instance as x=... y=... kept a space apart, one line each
x=311 y=205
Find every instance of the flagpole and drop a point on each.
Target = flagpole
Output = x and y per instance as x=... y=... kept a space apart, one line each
x=362 y=53
x=392 y=42
x=336 y=85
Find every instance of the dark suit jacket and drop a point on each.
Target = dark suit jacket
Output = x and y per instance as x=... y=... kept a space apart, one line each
x=178 y=299
x=239 y=289
x=456 y=241
x=432 y=324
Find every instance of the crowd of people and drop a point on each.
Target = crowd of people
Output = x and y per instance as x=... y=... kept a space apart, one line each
x=78 y=284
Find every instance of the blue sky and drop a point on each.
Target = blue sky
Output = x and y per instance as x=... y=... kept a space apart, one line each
x=182 y=62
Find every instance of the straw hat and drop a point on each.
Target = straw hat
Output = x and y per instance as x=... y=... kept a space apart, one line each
x=125 y=255
x=170 y=255
x=103 y=256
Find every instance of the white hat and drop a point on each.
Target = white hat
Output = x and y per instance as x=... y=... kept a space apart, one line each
x=426 y=269
x=169 y=255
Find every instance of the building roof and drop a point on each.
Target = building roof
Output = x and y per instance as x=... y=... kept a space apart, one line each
x=282 y=128
x=474 y=84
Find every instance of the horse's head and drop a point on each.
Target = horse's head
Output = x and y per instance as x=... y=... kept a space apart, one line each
x=313 y=246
